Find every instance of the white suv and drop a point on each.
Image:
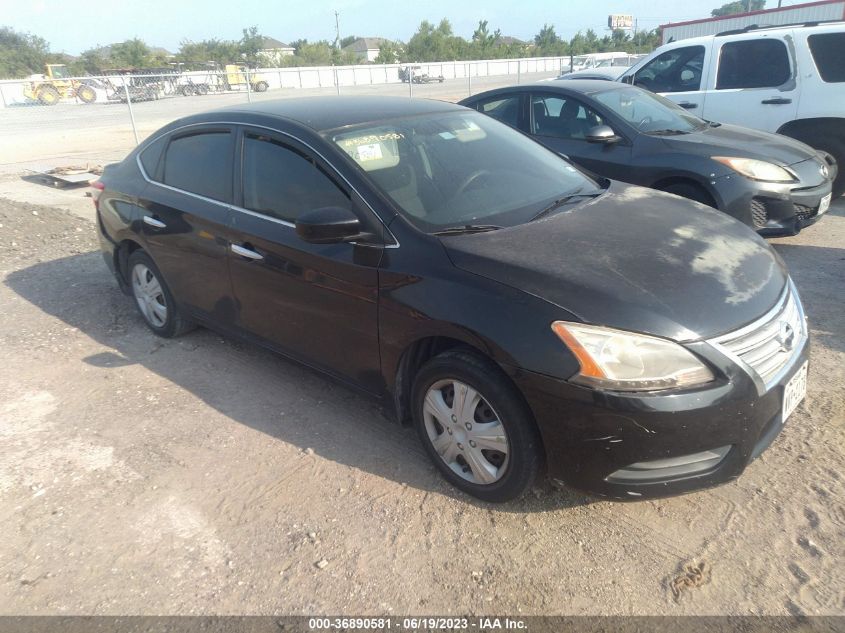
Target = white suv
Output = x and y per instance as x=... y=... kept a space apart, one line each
x=785 y=79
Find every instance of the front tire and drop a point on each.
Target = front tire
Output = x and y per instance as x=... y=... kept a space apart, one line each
x=153 y=297
x=475 y=426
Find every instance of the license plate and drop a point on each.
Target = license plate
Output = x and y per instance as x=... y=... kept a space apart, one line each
x=794 y=392
x=824 y=205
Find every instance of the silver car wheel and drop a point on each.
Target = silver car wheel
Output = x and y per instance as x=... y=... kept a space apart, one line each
x=466 y=432
x=149 y=295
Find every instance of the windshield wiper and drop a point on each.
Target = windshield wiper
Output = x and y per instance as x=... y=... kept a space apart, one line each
x=562 y=201
x=667 y=132
x=467 y=228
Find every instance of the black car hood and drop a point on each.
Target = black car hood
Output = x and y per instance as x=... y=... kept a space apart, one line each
x=635 y=259
x=732 y=140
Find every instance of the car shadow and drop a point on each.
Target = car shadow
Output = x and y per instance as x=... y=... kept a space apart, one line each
x=248 y=384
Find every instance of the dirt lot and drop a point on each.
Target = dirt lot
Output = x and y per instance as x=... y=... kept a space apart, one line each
x=203 y=475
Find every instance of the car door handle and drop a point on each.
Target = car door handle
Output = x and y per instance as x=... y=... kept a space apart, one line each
x=148 y=219
x=776 y=101
x=246 y=252
x=688 y=105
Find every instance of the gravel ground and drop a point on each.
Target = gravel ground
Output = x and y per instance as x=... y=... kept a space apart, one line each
x=204 y=475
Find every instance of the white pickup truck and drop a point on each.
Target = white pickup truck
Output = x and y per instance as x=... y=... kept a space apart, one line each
x=785 y=79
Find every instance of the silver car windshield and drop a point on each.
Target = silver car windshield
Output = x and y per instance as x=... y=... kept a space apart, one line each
x=460 y=168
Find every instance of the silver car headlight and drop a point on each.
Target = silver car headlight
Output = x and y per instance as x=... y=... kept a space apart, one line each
x=757 y=169
x=626 y=361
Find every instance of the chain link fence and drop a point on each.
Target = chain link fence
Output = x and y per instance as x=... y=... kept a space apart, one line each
x=100 y=118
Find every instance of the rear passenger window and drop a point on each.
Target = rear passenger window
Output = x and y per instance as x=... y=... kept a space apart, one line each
x=151 y=157
x=505 y=109
x=758 y=63
x=201 y=163
x=282 y=183
x=828 y=51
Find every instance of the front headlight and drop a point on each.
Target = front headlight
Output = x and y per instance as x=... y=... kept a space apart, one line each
x=756 y=169
x=626 y=361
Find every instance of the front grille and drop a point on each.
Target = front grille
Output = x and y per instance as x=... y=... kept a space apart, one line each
x=759 y=214
x=803 y=212
x=767 y=345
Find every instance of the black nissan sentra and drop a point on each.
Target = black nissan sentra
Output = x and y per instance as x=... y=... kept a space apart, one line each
x=524 y=317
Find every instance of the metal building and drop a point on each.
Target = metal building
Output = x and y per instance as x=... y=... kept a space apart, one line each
x=794 y=14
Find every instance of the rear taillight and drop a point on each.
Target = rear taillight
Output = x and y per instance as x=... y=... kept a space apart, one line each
x=98 y=188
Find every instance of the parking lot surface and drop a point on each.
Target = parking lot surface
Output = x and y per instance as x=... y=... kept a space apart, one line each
x=204 y=475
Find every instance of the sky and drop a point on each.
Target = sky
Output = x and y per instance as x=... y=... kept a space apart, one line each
x=72 y=27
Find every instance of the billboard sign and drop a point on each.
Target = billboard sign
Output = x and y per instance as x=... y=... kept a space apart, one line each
x=620 y=21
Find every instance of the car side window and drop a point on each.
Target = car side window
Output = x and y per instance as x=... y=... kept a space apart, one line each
x=757 y=63
x=505 y=109
x=201 y=163
x=151 y=158
x=677 y=70
x=828 y=50
x=562 y=117
x=280 y=182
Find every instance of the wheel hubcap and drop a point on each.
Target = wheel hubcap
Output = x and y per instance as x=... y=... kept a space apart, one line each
x=466 y=432
x=149 y=295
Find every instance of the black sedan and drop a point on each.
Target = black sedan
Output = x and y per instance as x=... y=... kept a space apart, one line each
x=774 y=184
x=521 y=315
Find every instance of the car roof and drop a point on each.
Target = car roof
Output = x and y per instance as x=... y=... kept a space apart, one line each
x=329 y=112
x=583 y=86
x=762 y=29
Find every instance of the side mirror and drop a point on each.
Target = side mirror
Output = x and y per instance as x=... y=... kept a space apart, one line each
x=628 y=79
x=602 y=134
x=328 y=225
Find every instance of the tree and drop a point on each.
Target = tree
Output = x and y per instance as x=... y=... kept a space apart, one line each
x=346 y=41
x=740 y=6
x=548 y=43
x=132 y=53
x=21 y=54
x=250 y=45
x=483 y=41
x=198 y=54
x=388 y=53
x=434 y=44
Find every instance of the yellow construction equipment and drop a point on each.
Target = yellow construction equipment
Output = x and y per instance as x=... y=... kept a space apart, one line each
x=55 y=84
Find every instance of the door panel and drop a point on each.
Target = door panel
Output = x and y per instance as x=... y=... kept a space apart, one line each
x=561 y=123
x=679 y=74
x=315 y=302
x=185 y=232
x=753 y=84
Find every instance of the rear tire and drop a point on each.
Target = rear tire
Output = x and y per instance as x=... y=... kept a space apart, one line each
x=490 y=447
x=153 y=298
x=188 y=90
x=261 y=86
x=691 y=191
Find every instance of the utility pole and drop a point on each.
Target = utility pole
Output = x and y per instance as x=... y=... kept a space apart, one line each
x=336 y=30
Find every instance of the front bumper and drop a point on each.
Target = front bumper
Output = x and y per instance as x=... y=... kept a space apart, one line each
x=594 y=440
x=777 y=208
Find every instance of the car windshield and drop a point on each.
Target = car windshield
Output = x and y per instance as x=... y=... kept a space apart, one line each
x=648 y=112
x=458 y=169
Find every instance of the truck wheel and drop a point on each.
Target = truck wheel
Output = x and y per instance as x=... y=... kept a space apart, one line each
x=48 y=95
x=261 y=86
x=187 y=91
x=202 y=89
x=86 y=94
